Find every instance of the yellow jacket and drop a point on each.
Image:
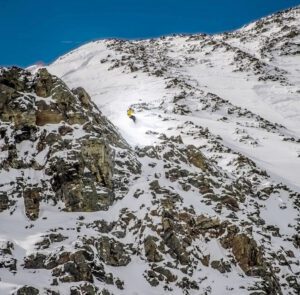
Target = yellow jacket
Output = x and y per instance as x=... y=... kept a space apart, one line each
x=130 y=112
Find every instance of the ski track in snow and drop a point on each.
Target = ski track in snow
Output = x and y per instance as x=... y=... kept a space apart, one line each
x=114 y=91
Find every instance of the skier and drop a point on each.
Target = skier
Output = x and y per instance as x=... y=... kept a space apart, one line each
x=130 y=114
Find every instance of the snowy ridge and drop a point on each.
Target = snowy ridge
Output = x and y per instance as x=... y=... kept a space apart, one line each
x=214 y=207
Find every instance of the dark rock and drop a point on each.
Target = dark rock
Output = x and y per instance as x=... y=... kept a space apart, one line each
x=65 y=129
x=35 y=261
x=4 y=201
x=231 y=203
x=49 y=239
x=205 y=260
x=112 y=252
x=32 y=197
x=6 y=256
x=296 y=241
x=76 y=269
x=221 y=266
x=196 y=158
x=169 y=277
x=151 y=250
x=138 y=193
x=86 y=289
x=245 y=251
x=15 y=78
x=176 y=248
x=27 y=290
x=187 y=284
x=26 y=133
x=83 y=96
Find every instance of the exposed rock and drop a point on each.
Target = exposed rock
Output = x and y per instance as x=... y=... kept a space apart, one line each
x=76 y=269
x=6 y=256
x=4 y=201
x=32 y=197
x=102 y=226
x=48 y=117
x=151 y=250
x=83 y=96
x=49 y=239
x=64 y=129
x=112 y=252
x=196 y=158
x=83 y=171
x=230 y=203
x=171 y=239
x=158 y=274
x=221 y=266
x=245 y=251
x=187 y=284
x=35 y=261
x=26 y=133
x=205 y=260
x=27 y=290
x=86 y=289
x=43 y=83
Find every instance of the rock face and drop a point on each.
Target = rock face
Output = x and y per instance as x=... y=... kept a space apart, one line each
x=245 y=251
x=58 y=141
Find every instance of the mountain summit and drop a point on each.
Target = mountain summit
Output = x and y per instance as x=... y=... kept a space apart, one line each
x=199 y=196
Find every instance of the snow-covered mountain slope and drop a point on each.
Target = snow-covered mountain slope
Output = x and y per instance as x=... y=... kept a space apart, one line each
x=207 y=190
x=255 y=68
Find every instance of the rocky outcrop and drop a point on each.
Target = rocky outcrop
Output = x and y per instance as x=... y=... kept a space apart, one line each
x=245 y=251
x=85 y=263
x=72 y=151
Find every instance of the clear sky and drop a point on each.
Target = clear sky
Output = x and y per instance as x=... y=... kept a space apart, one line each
x=41 y=30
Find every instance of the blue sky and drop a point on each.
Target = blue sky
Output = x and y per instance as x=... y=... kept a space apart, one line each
x=42 y=30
